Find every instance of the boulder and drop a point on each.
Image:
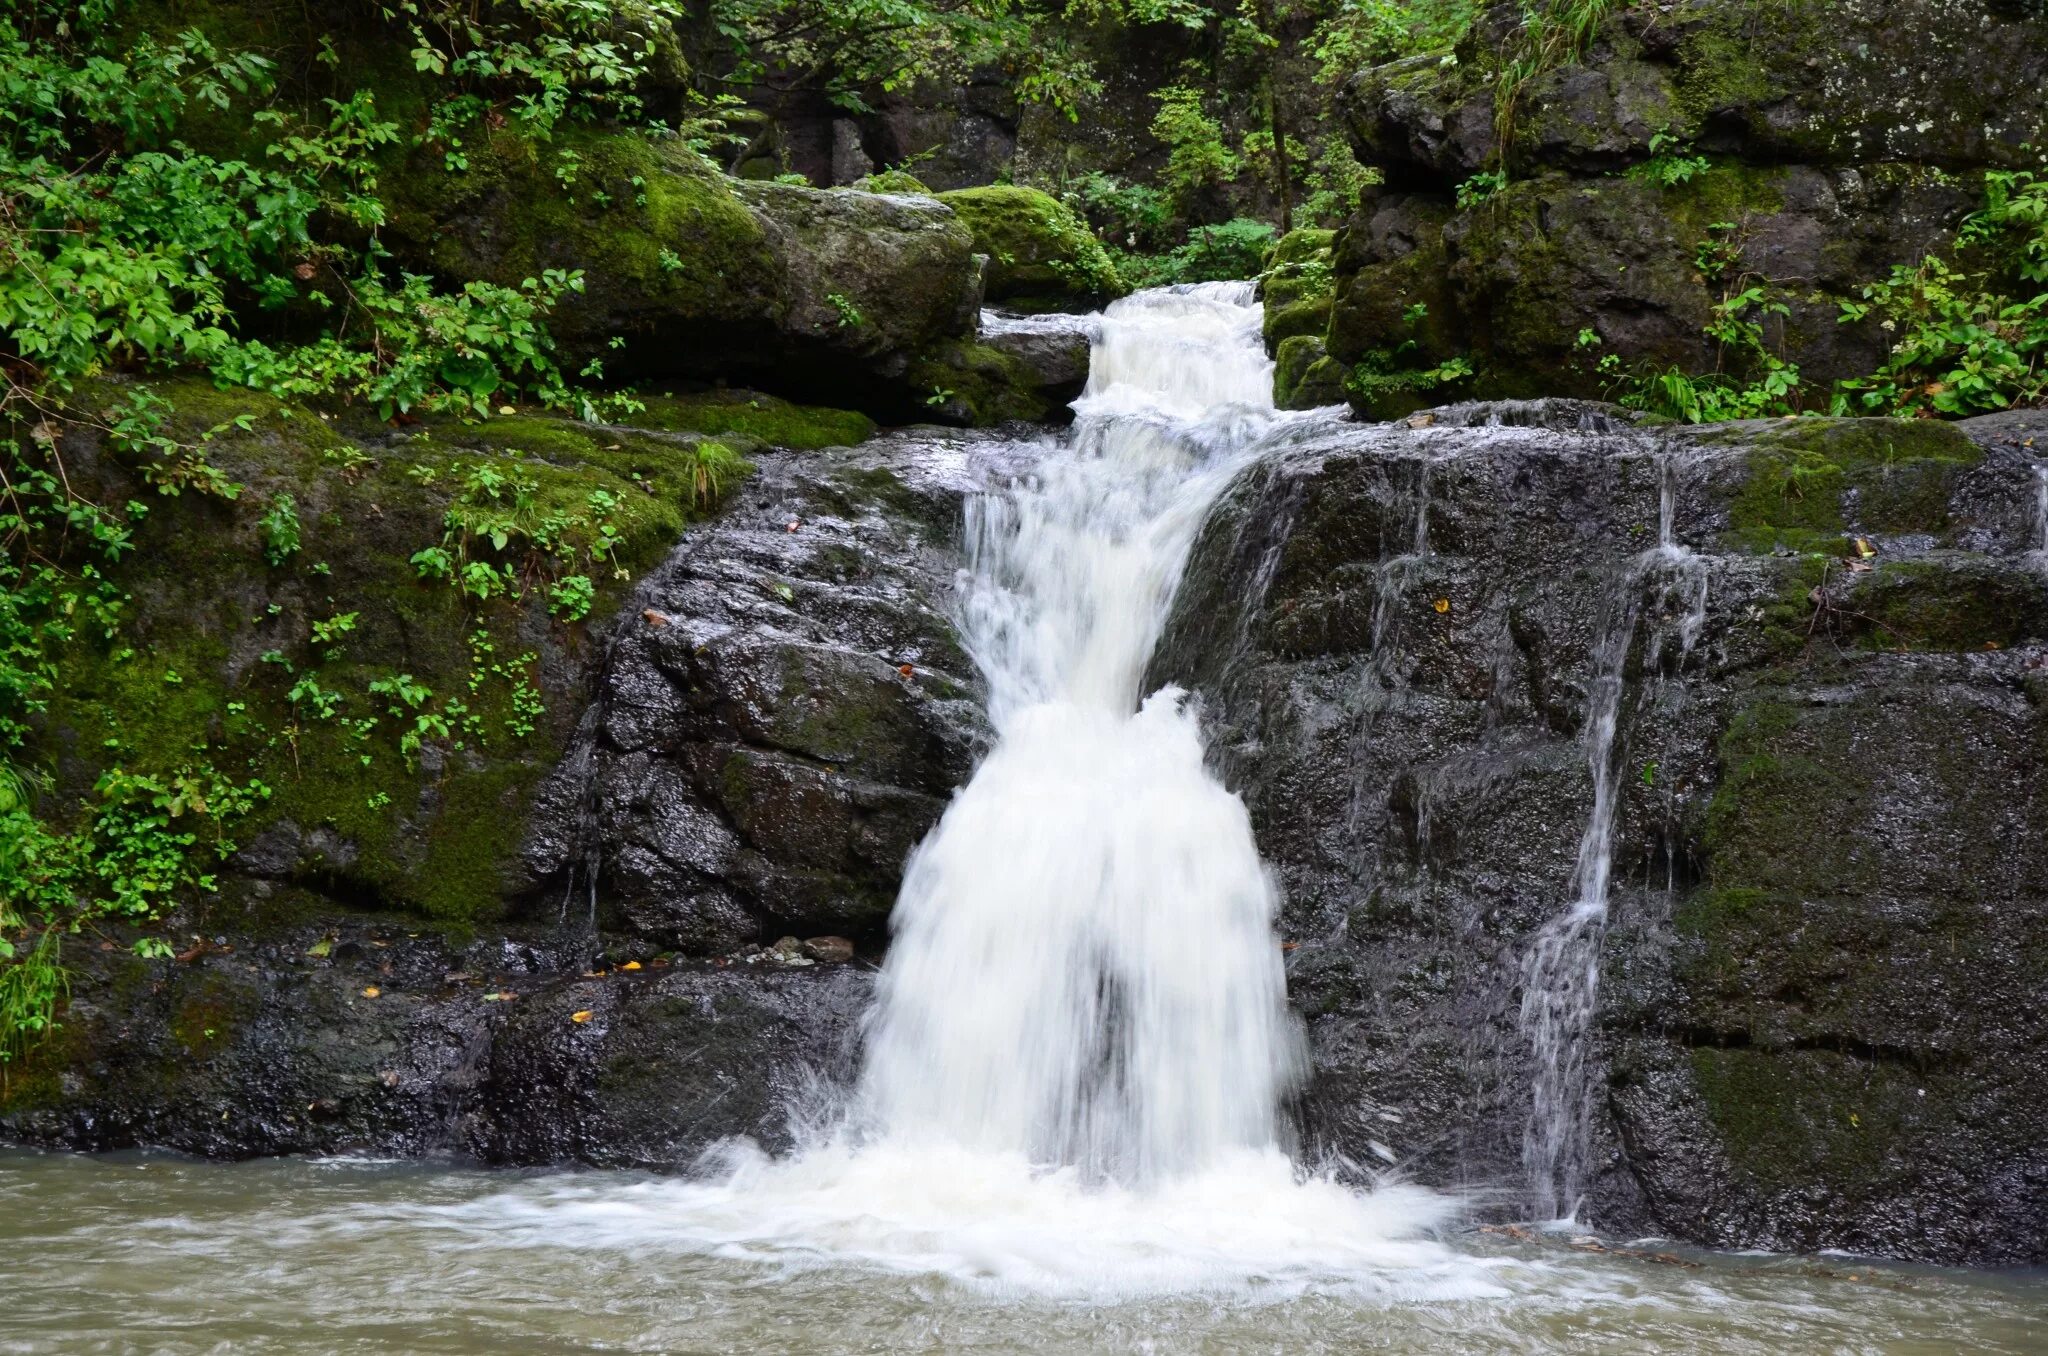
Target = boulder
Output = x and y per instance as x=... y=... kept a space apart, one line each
x=818 y=294
x=781 y=714
x=1041 y=254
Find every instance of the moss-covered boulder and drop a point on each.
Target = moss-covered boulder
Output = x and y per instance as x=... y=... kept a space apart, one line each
x=819 y=294
x=1041 y=254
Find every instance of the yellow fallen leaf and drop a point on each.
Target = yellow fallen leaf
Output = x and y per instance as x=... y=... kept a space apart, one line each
x=1442 y=605
x=630 y=965
x=580 y=1017
x=372 y=991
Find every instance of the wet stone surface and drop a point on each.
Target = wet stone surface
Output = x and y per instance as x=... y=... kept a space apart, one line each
x=782 y=713
x=1827 y=802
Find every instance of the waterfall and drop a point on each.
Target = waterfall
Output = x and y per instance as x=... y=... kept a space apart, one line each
x=1080 y=1040
x=1560 y=970
x=1084 y=970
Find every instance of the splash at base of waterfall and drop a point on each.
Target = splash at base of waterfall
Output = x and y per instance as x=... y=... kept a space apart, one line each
x=993 y=1222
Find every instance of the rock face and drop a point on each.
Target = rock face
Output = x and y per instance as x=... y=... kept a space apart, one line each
x=1812 y=1028
x=355 y=1037
x=1839 y=139
x=782 y=715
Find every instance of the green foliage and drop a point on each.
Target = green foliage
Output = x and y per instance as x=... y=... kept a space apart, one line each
x=547 y=59
x=279 y=526
x=1400 y=374
x=849 y=314
x=1750 y=381
x=1132 y=216
x=1364 y=33
x=1197 y=156
x=1482 y=186
x=1669 y=166
x=123 y=248
x=1236 y=249
x=1966 y=337
x=142 y=842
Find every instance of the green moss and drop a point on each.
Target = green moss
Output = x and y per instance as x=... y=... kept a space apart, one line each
x=1307 y=318
x=1949 y=603
x=207 y=1014
x=1719 y=59
x=1799 y=472
x=1790 y=1119
x=893 y=181
x=777 y=423
x=1042 y=256
x=436 y=838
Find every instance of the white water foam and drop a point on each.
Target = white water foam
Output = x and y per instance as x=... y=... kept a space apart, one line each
x=1081 y=1039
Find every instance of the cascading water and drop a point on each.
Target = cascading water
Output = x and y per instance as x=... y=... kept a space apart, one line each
x=1081 y=1039
x=1561 y=968
x=1084 y=971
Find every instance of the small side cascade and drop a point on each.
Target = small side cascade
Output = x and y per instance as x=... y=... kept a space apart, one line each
x=2041 y=509
x=1560 y=971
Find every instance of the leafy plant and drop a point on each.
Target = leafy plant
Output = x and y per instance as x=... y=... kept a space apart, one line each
x=279 y=527
x=1669 y=165
x=1480 y=188
x=849 y=314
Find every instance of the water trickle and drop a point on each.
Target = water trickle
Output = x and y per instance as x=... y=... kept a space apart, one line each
x=2041 y=507
x=1081 y=1040
x=1560 y=970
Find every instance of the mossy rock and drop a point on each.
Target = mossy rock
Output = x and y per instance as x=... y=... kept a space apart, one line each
x=1811 y=482
x=755 y=415
x=1949 y=602
x=893 y=181
x=1042 y=256
x=1305 y=377
x=690 y=275
x=977 y=385
x=215 y=637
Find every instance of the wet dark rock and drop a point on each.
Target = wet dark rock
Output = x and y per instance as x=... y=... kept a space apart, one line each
x=664 y=1067
x=385 y=1043
x=783 y=714
x=1828 y=806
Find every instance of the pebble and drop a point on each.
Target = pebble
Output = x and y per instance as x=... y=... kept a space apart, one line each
x=829 y=950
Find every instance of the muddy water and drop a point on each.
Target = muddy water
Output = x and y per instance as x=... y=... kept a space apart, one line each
x=152 y=1254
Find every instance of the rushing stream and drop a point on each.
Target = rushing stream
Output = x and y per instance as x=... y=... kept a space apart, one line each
x=1067 y=1132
